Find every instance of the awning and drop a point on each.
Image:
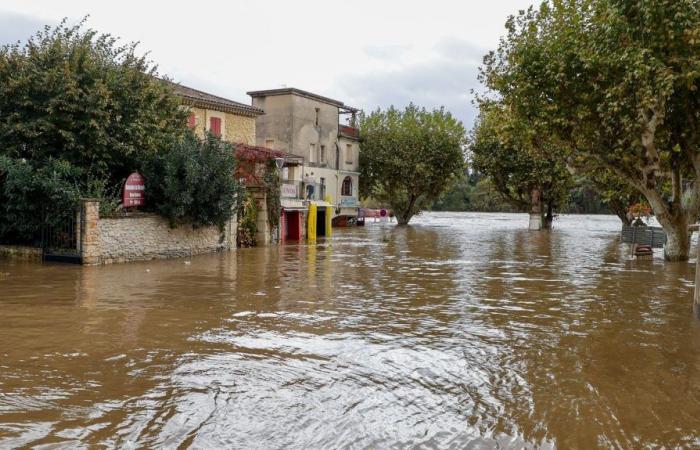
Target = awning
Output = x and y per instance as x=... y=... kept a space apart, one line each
x=293 y=204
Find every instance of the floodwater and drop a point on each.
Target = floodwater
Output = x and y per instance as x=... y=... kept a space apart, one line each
x=461 y=331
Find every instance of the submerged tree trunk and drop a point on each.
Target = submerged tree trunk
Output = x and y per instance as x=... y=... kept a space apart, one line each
x=403 y=216
x=548 y=217
x=678 y=240
x=675 y=221
x=536 y=210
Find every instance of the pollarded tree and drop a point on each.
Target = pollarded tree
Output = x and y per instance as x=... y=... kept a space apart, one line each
x=409 y=158
x=618 y=81
x=524 y=166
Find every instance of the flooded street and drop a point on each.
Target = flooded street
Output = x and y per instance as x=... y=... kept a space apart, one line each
x=461 y=331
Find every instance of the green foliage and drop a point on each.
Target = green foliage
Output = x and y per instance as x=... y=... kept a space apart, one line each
x=73 y=94
x=247 y=221
x=192 y=182
x=33 y=196
x=518 y=162
x=473 y=193
x=617 y=81
x=409 y=158
x=273 y=188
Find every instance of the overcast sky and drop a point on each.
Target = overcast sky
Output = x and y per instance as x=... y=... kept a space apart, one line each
x=366 y=53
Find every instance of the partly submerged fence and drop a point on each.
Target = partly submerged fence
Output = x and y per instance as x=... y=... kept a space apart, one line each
x=652 y=236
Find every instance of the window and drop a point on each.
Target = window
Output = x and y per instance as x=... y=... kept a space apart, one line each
x=323 y=154
x=191 y=120
x=322 y=189
x=348 y=154
x=312 y=153
x=215 y=126
x=270 y=143
x=316 y=120
x=346 y=189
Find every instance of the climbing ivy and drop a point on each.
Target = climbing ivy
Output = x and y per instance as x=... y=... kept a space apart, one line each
x=273 y=189
x=247 y=223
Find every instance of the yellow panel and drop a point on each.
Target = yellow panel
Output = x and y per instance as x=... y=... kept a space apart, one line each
x=329 y=216
x=311 y=224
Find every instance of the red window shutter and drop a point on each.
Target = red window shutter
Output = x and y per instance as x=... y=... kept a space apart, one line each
x=215 y=126
x=191 y=120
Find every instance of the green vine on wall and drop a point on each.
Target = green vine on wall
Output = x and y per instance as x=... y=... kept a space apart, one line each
x=247 y=225
x=273 y=190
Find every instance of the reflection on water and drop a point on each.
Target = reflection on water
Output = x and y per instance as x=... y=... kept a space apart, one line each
x=462 y=331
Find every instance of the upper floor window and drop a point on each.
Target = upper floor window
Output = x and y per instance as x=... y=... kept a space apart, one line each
x=346 y=188
x=323 y=154
x=312 y=153
x=348 y=154
x=191 y=120
x=318 y=110
x=215 y=126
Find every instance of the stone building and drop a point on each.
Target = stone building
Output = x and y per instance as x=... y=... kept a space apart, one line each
x=323 y=168
x=236 y=123
x=232 y=121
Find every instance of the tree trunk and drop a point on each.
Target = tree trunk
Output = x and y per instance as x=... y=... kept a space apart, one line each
x=675 y=223
x=678 y=240
x=619 y=209
x=549 y=217
x=403 y=217
x=536 y=214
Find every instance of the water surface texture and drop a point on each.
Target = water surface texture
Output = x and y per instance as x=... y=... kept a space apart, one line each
x=461 y=331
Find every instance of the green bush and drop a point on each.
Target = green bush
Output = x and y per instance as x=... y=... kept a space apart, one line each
x=75 y=95
x=193 y=181
x=34 y=196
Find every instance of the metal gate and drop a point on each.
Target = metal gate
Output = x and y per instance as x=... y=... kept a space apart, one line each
x=60 y=241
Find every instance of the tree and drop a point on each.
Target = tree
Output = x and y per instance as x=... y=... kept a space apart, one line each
x=193 y=181
x=409 y=158
x=523 y=166
x=617 y=81
x=74 y=95
x=35 y=196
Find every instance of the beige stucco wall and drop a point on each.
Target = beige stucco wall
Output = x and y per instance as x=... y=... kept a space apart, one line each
x=349 y=160
x=235 y=128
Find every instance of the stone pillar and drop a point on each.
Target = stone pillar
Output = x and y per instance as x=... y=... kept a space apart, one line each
x=232 y=232
x=89 y=233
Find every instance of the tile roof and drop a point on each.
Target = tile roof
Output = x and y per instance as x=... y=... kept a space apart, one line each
x=202 y=99
x=245 y=151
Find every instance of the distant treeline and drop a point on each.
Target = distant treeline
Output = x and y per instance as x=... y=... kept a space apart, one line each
x=476 y=192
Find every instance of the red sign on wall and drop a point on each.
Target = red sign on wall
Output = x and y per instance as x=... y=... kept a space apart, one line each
x=134 y=191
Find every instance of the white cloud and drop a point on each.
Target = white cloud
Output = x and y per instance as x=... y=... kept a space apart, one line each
x=366 y=53
x=446 y=79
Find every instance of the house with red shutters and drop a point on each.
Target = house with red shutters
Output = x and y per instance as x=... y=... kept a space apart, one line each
x=228 y=119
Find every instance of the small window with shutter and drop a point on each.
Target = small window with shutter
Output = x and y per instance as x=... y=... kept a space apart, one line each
x=191 y=120
x=215 y=126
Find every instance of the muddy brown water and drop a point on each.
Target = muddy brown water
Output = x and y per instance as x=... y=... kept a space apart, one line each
x=462 y=331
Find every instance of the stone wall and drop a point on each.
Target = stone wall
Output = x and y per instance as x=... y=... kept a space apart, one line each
x=137 y=237
x=20 y=252
x=235 y=128
x=240 y=129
